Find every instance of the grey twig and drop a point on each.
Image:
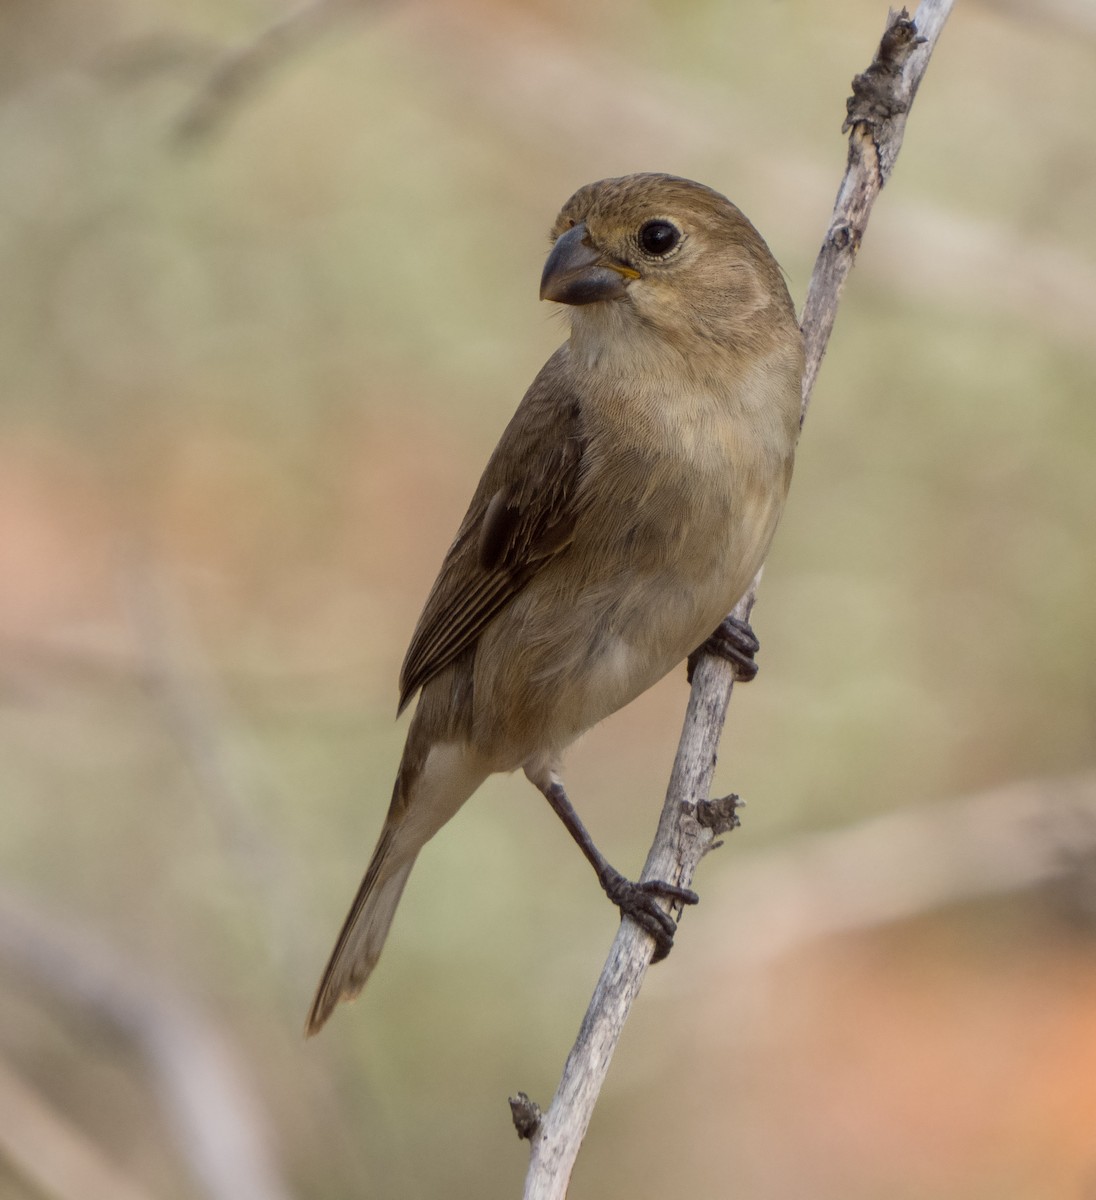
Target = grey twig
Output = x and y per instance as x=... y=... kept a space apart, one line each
x=876 y=121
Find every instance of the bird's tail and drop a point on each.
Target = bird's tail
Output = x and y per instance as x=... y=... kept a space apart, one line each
x=366 y=926
x=426 y=795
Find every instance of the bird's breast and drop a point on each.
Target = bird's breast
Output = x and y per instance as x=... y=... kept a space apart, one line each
x=673 y=524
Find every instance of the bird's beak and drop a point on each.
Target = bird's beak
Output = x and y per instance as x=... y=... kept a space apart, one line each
x=578 y=273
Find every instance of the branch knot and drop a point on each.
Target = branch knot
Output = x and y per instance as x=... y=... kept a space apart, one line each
x=526 y=1115
x=720 y=816
x=880 y=93
x=842 y=235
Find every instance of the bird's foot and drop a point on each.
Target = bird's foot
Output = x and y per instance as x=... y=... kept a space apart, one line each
x=640 y=902
x=735 y=641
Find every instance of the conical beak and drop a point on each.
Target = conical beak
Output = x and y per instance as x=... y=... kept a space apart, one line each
x=578 y=273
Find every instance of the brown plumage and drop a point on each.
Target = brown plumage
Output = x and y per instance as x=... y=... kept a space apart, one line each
x=625 y=510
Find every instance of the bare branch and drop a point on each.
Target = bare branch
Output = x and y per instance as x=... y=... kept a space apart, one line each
x=876 y=122
x=876 y=117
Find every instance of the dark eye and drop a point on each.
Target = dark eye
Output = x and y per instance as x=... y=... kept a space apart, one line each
x=659 y=237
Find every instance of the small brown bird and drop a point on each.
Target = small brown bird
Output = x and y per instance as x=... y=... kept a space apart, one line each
x=627 y=506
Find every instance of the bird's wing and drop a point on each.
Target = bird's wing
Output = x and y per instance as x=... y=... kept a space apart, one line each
x=522 y=516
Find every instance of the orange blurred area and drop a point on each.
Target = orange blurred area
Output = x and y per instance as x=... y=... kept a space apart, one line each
x=957 y=1080
x=892 y=1064
x=256 y=342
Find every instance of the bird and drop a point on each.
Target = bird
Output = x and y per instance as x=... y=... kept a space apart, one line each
x=629 y=503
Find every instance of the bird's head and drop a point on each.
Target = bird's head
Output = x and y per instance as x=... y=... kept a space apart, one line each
x=654 y=254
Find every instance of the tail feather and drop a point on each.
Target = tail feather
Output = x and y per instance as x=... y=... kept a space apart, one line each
x=430 y=787
x=364 y=931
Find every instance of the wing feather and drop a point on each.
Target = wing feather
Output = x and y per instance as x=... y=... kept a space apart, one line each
x=521 y=516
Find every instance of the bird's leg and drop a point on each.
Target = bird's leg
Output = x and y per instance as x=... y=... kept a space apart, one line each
x=636 y=900
x=735 y=641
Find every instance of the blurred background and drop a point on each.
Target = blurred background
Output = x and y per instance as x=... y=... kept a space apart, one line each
x=269 y=294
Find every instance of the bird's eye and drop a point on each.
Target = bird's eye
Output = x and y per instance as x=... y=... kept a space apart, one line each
x=659 y=237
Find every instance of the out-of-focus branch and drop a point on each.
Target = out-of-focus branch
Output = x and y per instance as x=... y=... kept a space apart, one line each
x=213 y=1113
x=241 y=68
x=44 y=1148
x=1032 y=833
x=876 y=120
x=503 y=58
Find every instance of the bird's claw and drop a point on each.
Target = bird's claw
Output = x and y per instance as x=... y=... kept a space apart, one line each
x=640 y=902
x=735 y=641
